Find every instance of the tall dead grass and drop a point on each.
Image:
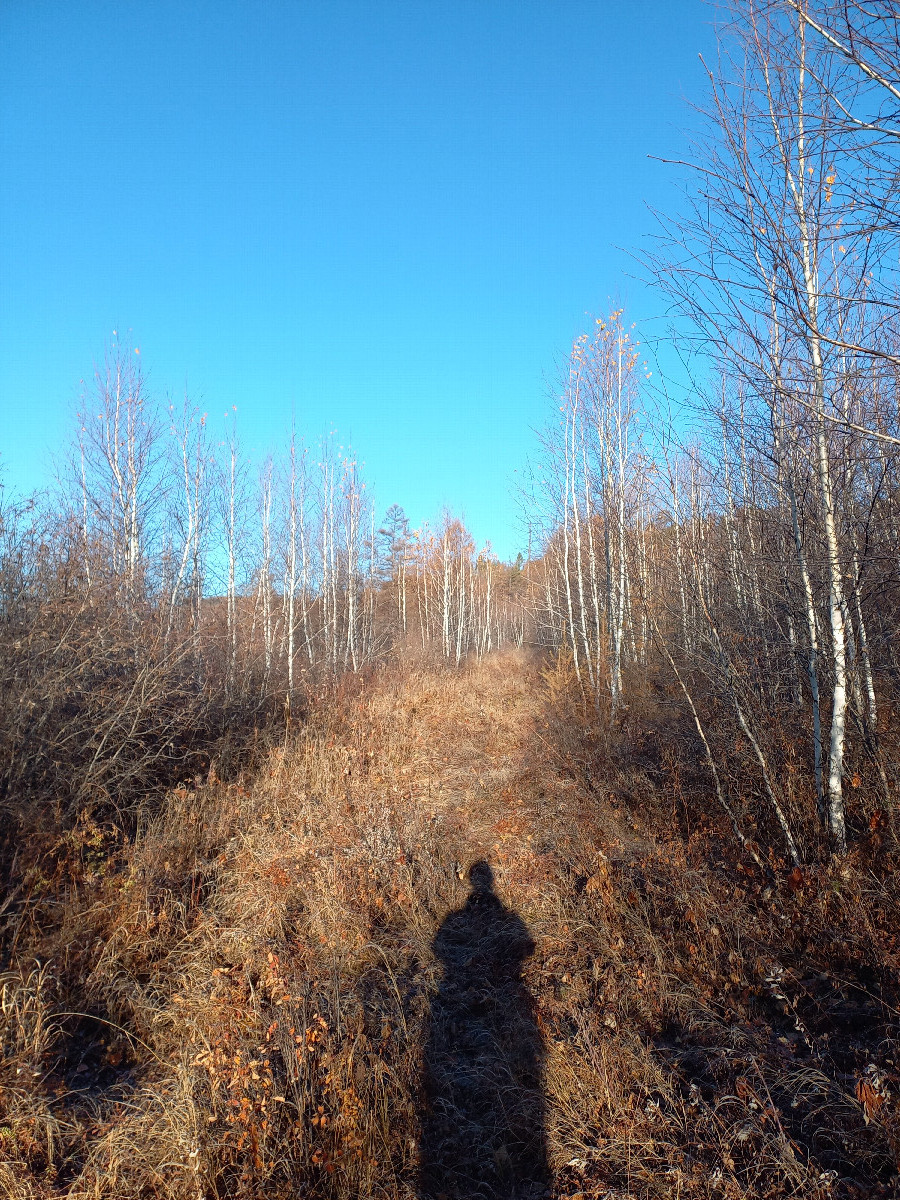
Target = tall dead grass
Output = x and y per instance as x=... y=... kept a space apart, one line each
x=234 y=1002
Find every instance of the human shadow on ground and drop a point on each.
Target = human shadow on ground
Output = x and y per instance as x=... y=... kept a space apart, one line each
x=483 y=1130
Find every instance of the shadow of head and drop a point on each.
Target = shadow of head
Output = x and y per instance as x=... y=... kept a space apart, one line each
x=481 y=877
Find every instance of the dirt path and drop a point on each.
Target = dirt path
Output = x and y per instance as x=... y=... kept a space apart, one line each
x=481 y=756
x=474 y=763
x=484 y=1129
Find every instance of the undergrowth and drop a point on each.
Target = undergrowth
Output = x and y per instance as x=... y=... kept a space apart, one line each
x=252 y=994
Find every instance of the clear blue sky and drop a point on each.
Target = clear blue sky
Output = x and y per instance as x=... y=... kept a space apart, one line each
x=390 y=217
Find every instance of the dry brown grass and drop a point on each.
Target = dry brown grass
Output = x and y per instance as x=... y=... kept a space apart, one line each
x=236 y=1002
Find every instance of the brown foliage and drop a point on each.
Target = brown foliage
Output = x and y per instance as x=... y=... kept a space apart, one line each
x=236 y=1002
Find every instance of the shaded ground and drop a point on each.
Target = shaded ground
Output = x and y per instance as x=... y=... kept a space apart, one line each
x=483 y=1132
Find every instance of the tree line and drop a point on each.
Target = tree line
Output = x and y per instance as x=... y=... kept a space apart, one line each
x=753 y=549
x=169 y=593
x=739 y=550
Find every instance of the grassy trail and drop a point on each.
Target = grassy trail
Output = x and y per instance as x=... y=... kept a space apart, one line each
x=446 y=941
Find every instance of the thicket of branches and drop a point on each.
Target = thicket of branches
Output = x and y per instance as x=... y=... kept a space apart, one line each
x=758 y=555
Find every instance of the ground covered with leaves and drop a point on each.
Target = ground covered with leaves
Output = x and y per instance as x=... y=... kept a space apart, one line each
x=447 y=940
